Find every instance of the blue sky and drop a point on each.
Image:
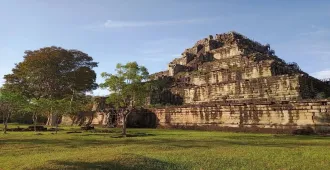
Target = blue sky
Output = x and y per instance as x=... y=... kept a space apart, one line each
x=153 y=32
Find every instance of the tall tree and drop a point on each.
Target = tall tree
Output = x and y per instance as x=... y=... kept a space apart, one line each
x=53 y=73
x=10 y=103
x=128 y=89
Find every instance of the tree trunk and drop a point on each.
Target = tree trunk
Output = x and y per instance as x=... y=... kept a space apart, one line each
x=56 y=124
x=51 y=120
x=72 y=96
x=73 y=120
x=35 y=121
x=48 y=120
x=5 y=123
x=124 y=133
x=56 y=128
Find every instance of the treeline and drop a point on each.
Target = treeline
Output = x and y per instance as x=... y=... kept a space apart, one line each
x=49 y=82
x=52 y=82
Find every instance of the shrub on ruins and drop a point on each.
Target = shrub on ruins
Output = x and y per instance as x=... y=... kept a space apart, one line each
x=52 y=73
x=10 y=103
x=128 y=89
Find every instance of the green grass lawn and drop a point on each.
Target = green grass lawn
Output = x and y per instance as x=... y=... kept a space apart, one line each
x=162 y=149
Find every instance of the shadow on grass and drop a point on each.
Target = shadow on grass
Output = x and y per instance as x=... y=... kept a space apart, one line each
x=279 y=137
x=171 y=144
x=119 y=135
x=125 y=162
x=177 y=142
x=134 y=135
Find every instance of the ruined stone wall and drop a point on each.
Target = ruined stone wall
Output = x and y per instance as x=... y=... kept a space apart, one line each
x=273 y=115
x=263 y=115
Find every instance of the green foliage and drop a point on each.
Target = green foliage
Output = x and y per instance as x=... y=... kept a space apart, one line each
x=51 y=78
x=160 y=84
x=128 y=87
x=10 y=103
x=52 y=72
x=81 y=103
x=27 y=118
x=38 y=106
x=59 y=106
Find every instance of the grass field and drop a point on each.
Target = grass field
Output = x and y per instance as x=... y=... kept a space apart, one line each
x=162 y=149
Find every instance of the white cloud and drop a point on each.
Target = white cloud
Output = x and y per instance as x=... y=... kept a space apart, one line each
x=121 y=24
x=100 y=92
x=322 y=74
x=152 y=51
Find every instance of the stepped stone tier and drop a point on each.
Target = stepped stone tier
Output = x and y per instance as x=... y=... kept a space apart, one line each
x=232 y=81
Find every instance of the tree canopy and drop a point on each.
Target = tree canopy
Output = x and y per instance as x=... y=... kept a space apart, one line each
x=52 y=72
x=50 y=78
x=127 y=87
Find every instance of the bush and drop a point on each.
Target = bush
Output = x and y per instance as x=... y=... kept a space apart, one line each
x=304 y=131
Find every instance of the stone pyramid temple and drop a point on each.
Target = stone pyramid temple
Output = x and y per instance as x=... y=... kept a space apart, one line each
x=231 y=67
x=232 y=81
